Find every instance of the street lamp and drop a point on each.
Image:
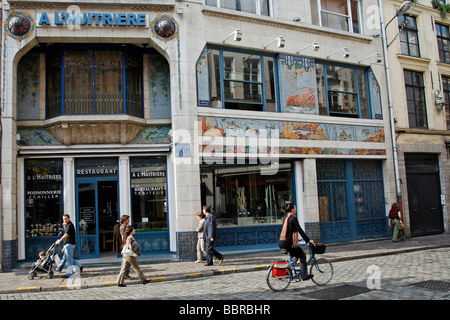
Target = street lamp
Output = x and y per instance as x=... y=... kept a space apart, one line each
x=401 y=11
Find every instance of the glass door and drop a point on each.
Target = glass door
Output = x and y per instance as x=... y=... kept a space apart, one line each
x=87 y=220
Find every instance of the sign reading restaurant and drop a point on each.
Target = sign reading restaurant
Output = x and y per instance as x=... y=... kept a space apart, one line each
x=91 y=18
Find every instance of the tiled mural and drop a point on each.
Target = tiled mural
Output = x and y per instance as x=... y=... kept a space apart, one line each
x=290 y=130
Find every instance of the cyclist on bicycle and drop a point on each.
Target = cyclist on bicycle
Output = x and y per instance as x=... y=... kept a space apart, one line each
x=289 y=238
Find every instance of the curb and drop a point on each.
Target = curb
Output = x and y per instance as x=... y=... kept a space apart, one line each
x=206 y=273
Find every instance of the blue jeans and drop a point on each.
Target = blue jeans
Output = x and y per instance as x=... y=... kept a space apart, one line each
x=71 y=262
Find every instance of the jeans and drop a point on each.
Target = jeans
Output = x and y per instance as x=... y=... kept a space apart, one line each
x=71 y=262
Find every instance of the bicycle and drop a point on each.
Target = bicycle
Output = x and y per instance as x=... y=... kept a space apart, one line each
x=281 y=273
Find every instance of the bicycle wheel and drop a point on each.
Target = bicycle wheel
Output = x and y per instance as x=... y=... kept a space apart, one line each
x=279 y=283
x=322 y=270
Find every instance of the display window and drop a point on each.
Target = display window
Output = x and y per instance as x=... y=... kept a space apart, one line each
x=242 y=196
x=44 y=197
x=149 y=194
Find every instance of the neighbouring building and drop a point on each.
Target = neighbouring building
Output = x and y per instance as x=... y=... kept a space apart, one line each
x=419 y=60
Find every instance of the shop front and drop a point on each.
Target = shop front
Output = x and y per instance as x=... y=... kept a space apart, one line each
x=98 y=190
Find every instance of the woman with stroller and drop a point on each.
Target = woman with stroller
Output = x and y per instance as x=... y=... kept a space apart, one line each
x=129 y=253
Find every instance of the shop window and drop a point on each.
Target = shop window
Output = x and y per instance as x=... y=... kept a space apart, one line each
x=242 y=81
x=260 y=7
x=85 y=81
x=149 y=194
x=241 y=196
x=342 y=90
x=44 y=197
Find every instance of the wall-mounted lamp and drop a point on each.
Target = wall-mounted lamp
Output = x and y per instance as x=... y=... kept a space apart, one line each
x=314 y=45
x=237 y=35
x=406 y=5
x=345 y=53
x=376 y=55
x=280 y=42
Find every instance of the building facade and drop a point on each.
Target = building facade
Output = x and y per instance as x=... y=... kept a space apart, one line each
x=419 y=66
x=155 y=108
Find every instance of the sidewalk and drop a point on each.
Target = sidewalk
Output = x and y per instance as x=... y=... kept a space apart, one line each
x=163 y=269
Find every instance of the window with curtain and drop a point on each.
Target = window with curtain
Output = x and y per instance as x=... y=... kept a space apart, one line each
x=261 y=7
x=415 y=99
x=336 y=14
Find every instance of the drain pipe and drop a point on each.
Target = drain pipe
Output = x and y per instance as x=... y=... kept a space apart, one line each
x=391 y=107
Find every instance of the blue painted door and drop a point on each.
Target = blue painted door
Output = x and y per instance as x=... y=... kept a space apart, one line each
x=97 y=211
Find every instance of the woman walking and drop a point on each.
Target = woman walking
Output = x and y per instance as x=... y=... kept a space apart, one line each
x=129 y=252
x=200 y=242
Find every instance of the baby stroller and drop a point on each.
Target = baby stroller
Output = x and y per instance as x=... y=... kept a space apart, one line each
x=47 y=264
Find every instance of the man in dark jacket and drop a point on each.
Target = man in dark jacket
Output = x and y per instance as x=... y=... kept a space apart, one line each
x=210 y=234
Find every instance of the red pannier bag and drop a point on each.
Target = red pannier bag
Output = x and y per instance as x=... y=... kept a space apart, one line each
x=279 y=269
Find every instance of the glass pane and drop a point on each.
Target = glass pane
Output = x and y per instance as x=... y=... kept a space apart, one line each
x=241 y=66
x=404 y=48
x=211 y=3
x=412 y=37
x=134 y=83
x=264 y=7
x=321 y=94
x=342 y=103
x=108 y=82
x=337 y=6
x=214 y=79
x=355 y=17
x=53 y=63
x=341 y=79
x=248 y=6
x=363 y=99
x=87 y=216
x=78 y=93
x=149 y=194
x=242 y=91
x=44 y=197
x=229 y=4
x=331 y=20
x=271 y=102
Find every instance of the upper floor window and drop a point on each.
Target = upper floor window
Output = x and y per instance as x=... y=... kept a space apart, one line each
x=342 y=90
x=100 y=80
x=443 y=39
x=336 y=14
x=261 y=7
x=446 y=89
x=243 y=81
x=409 y=37
x=415 y=99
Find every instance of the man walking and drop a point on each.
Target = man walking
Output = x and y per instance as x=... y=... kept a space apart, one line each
x=69 y=246
x=210 y=234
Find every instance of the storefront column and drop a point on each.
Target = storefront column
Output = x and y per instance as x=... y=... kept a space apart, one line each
x=298 y=169
x=310 y=198
x=69 y=189
x=124 y=186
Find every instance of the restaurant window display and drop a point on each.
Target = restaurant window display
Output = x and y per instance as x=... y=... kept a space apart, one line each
x=43 y=204
x=242 y=196
x=149 y=194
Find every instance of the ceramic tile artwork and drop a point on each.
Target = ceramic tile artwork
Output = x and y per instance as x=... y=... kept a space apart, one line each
x=293 y=130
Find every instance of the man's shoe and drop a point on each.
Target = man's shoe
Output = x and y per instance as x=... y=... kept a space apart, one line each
x=145 y=281
x=81 y=269
x=207 y=265
x=309 y=276
x=121 y=285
